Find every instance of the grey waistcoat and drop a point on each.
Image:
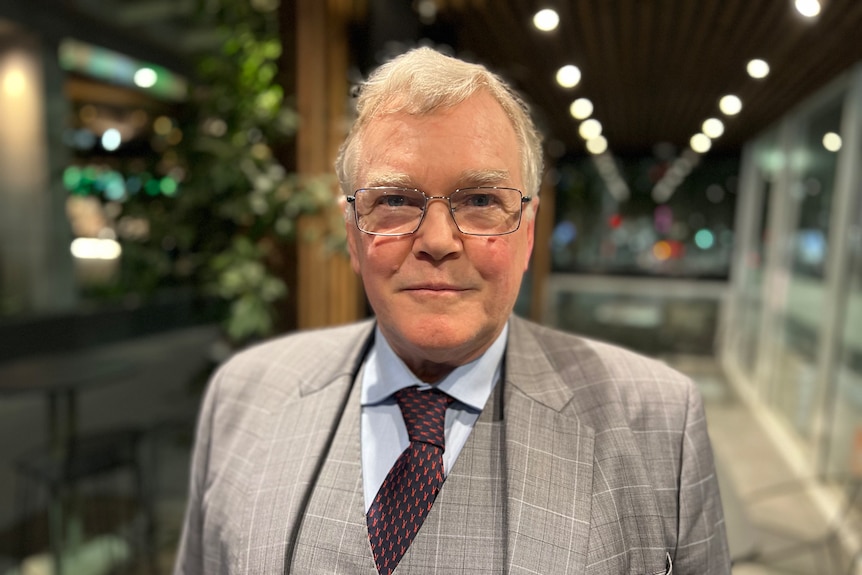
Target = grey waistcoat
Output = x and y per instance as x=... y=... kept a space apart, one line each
x=463 y=533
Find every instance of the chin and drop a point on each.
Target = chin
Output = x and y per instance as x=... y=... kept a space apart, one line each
x=439 y=335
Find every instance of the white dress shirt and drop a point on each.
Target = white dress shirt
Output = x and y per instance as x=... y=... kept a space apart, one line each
x=383 y=433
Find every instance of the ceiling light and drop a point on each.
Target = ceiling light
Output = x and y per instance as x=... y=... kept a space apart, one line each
x=14 y=83
x=590 y=129
x=730 y=105
x=111 y=139
x=597 y=145
x=546 y=20
x=713 y=127
x=581 y=109
x=95 y=249
x=700 y=143
x=758 y=68
x=832 y=141
x=145 y=78
x=568 y=76
x=808 y=8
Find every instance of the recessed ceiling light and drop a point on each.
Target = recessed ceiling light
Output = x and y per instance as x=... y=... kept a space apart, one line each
x=546 y=20
x=568 y=76
x=581 y=109
x=730 y=105
x=808 y=8
x=597 y=145
x=590 y=129
x=700 y=143
x=713 y=127
x=758 y=68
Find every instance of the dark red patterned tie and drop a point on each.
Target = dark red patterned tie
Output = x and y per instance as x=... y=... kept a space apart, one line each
x=413 y=482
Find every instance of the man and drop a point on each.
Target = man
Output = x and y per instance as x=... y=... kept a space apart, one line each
x=543 y=452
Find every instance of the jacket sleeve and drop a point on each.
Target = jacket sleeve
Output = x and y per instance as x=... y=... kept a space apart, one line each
x=190 y=558
x=702 y=542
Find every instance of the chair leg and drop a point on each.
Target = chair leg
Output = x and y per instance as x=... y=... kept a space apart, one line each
x=24 y=508
x=56 y=526
x=147 y=473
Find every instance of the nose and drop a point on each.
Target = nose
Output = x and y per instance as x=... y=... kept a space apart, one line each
x=437 y=237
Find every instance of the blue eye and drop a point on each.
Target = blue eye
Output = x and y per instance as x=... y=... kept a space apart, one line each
x=393 y=201
x=479 y=200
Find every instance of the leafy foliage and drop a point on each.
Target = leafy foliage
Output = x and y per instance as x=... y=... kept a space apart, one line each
x=239 y=204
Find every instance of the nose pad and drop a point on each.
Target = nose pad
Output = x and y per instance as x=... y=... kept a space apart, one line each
x=437 y=237
x=444 y=212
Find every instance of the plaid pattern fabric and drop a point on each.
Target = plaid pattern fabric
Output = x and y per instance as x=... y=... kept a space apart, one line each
x=606 y=462
x=463 y=533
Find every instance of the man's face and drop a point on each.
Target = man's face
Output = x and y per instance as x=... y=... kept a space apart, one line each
x=441 y=297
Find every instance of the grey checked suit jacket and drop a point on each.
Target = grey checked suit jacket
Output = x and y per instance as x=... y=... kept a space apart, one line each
x=609 y=468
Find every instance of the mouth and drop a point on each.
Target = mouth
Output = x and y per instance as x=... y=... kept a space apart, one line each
x=436 y=289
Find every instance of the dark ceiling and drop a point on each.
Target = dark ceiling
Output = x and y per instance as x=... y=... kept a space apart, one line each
x=654 y=69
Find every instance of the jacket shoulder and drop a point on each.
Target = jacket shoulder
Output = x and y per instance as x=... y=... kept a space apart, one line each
x=296 y=363
x=605 y=378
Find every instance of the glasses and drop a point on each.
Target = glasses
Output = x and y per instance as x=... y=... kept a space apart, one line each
x=482 y=211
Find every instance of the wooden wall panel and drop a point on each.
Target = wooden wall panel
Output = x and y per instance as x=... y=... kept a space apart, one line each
x=328 y=291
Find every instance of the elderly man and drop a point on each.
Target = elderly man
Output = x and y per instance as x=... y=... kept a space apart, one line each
x=447 y=435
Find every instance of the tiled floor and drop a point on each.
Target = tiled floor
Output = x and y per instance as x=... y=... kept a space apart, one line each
x=165 y=385
x=768 y=510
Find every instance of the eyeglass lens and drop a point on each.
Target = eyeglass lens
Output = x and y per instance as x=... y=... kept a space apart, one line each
x=479 y=211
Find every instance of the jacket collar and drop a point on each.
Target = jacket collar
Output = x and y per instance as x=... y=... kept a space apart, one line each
x=549 y=459
x=548 y=450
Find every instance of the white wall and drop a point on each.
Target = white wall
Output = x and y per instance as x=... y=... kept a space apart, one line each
x=35 y=265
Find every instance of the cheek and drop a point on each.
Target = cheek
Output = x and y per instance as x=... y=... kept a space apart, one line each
x=381 y=257
x=500 y=261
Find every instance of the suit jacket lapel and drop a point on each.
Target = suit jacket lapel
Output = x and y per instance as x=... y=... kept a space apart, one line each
x=548 y=451
x=549 y=463
x=292 y=450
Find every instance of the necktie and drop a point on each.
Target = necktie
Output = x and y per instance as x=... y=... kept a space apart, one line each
x=413 y=482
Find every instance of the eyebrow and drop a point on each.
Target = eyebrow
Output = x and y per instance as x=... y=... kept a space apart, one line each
x=467 y=178
x=387 y=179
x=485 y=177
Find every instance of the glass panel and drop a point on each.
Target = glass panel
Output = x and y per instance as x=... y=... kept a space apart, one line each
x=845 y=453
x=750 y=291
x=795 y=376
x=612 y=220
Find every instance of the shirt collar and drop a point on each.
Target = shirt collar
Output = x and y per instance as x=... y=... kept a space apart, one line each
x=471 y=384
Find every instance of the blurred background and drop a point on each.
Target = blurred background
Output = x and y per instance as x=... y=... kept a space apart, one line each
x=167 y=197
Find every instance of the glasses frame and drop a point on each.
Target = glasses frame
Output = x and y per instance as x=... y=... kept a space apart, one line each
x=448 y=199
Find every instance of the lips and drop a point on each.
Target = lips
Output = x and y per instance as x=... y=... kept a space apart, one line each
x=436 y=287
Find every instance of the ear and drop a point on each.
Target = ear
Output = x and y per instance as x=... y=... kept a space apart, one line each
x=353 y=244
x=531 y=230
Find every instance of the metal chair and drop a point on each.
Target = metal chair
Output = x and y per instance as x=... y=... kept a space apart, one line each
x=88 y=457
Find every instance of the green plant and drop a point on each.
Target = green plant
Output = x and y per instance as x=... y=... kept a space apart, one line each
x=238 y=204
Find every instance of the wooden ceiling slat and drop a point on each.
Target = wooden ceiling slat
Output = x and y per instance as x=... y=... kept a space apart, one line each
x=802 y=71
x=642 y=46
x=654 y=69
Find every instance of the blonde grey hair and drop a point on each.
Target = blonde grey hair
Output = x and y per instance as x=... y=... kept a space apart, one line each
x=422 y=81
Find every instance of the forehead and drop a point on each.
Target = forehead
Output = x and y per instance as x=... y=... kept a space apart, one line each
x=474 y=136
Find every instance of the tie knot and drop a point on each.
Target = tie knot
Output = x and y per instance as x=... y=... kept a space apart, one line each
x=424 y=414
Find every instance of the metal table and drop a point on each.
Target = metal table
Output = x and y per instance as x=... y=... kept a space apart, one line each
x=60 y=379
